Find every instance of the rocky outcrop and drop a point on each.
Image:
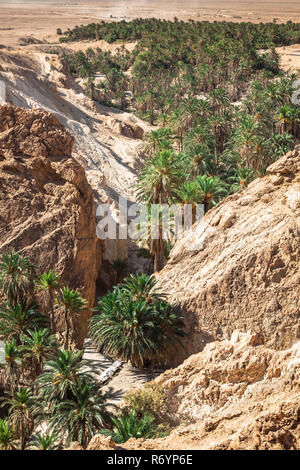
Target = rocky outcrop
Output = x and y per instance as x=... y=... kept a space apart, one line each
x=42 y=80
x=46 y=204
x=238 y=268
x=235 y=394
x=125 y=128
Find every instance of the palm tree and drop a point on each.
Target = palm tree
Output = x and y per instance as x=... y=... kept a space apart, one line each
x=8 y=439
x=13 y=363
x=16 y=275
x=156 y=138
x=17 y=318
x=60 y=375
x=189 y=194
x=142 y=287
x=158 y=184
x=49 y=282
x=20 y=414
x=123 y=328
x=159 y=179
x=45 y=441
x=133 y=328
x=38 y=346
x=129 y=425
x=211 y=189
x=83 y=415
x=73 y=304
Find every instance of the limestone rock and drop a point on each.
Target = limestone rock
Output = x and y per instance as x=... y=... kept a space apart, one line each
x=75 y=446
x=100 y=442
x=125 y=128
x=232 y=395
x=238 y=267
x=46 y=204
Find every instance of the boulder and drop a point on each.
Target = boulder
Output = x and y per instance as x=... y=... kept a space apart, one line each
x=100 y=442
x=130 y=130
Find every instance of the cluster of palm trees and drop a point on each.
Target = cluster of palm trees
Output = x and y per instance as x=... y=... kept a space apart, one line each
x=176 y=60
x=213 y=148
x=135 y=322
x=42 y=382
x=262 y=35
x=46 y=382
x=223 y=111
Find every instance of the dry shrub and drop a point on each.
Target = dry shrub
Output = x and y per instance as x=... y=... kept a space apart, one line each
x=149 y=399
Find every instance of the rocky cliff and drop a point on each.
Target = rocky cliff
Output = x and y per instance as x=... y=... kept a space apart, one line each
x=235 y=394
x=238 y=268
x=47 y=207
x=107 y=141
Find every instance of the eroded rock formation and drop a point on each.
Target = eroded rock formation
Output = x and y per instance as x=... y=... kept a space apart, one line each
x=239 y=266
x=235 y=394
x=46 y=204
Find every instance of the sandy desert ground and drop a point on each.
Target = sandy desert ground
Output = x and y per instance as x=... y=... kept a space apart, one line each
x=21 y=18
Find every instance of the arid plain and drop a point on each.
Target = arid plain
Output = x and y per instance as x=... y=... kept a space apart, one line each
x=40 y=19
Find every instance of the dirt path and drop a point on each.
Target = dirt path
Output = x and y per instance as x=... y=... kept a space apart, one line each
x=128 y=377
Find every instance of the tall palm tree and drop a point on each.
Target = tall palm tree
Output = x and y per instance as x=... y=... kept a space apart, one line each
x=20 y=414
x=60 y=375
x=159 y=178
x=189 y=194
x=135 y=328
x=13 y=364
x=211 y=189
x=82 y=416
x=17 y=318
x=49 y=282
x=16 y=275
x=73 y=304
x=38 y=346
x=158 y=184
x=155 y=139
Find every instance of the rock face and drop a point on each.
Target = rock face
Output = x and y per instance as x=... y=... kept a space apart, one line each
x=238 y=268
x=106 y=140
x=46 y=204
x=235 y=394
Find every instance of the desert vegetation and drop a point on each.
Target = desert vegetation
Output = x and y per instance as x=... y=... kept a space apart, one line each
x=136 y=323
x=221 y=106
x=45 y=379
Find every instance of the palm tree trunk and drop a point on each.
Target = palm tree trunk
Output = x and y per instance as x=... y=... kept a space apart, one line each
x=22 y=437
x=52 y=317
x=66 y=345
